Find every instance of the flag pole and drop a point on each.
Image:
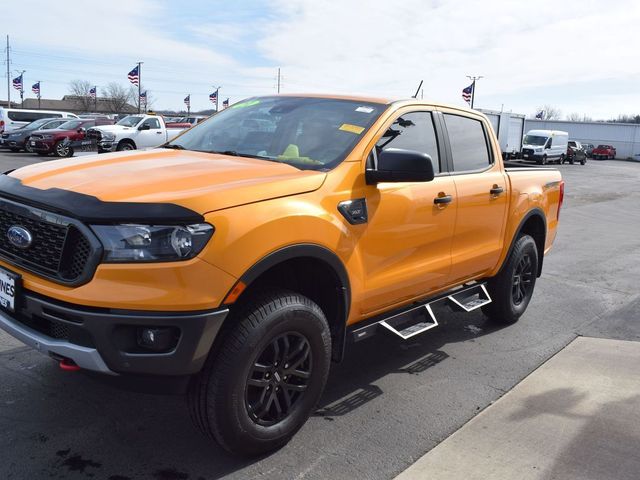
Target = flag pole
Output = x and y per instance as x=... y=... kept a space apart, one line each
x=139 y=83
x=95 y=99
x=39 y=88
x=473 y=87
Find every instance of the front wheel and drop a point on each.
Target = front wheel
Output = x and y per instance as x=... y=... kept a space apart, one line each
x=125 y=146
x=512 y=289
x=62 y=149
x=267 y=376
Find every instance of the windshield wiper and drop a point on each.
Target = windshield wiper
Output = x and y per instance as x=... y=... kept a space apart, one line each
x=234 y=153
x=174 y=146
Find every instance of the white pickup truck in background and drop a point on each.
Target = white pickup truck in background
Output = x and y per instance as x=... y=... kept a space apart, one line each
x=132 y=132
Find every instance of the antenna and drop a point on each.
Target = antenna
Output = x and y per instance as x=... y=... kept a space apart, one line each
x=418 y=90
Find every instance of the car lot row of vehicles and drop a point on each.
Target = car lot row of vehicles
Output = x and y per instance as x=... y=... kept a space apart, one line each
x=554 y=146
x=62 y=136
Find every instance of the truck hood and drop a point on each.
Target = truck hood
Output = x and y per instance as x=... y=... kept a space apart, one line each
x=202 y=182
x=113 y=128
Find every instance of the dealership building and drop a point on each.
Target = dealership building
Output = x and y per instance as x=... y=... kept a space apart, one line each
x=625 y=137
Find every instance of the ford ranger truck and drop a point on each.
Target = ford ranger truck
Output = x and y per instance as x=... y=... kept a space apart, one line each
x=241 y=258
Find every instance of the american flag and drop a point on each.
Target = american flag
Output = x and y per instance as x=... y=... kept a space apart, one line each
x=134 y=75
x=214 y=97
x=35 y=88
x=225 y=103
x=17 y=83
x=187 y=101
x=143 y=97
x=540 y=114
x=93 y=92
x=466 y=93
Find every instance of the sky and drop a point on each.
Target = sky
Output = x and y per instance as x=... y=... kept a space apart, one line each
x=578 y=56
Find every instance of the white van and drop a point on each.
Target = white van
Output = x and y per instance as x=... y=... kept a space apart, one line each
x=13 y=118
x=545 y=146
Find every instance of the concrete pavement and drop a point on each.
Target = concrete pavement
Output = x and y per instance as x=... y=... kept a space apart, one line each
x=576 y=417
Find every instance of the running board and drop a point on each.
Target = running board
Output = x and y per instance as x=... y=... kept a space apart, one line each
x=470 y=299
x=420 y=318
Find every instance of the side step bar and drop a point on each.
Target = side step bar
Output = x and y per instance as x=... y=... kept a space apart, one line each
x=420 y=318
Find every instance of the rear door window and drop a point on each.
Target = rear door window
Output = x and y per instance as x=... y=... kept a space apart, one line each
x=468 y=141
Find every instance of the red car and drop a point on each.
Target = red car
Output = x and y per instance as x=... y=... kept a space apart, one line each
x=604 y=152
x=58 y=141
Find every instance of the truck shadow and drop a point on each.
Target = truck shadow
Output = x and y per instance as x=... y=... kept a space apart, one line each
x=70 y=426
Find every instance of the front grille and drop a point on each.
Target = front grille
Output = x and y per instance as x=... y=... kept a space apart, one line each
x=527 y=151
x=59 y=249
x=94 y=134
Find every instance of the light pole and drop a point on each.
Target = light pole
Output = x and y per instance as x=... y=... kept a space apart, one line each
x=473 y=87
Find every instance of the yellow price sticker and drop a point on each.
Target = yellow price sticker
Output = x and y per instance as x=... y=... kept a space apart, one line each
x=347 y=127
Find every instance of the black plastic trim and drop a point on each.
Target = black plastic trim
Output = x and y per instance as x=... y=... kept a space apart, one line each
x=321 y=253
x=90 y=209
x=99 y=329
x=533 y=212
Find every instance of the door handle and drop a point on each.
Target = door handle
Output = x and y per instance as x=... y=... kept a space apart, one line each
x=442 y=199
x=496 y=190
x=158 y=133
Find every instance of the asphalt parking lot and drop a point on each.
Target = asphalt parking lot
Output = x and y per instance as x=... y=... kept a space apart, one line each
x=387 y=404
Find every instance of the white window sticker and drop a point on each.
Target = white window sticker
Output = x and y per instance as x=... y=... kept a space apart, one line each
x=364 y=109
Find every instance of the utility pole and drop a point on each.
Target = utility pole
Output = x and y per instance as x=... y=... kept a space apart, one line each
x=473 y=86
x=8 y=75
x=278 y=79
x=139 y=83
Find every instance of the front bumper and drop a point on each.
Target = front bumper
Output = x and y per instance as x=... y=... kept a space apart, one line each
x=105 y=340
x=41 y=146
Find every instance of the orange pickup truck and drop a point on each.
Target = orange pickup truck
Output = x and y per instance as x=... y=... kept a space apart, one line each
x=241 y=258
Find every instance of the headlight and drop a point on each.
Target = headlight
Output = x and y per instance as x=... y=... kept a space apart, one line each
x=152 y=243
x=538 y=149
x=109 y=137
x=48 y=137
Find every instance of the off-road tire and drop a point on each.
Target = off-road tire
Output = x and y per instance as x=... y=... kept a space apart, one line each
x=219 y=397
x=504 y=308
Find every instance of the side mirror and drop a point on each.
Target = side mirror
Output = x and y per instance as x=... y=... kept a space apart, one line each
x=398 y=165
x=144 y=126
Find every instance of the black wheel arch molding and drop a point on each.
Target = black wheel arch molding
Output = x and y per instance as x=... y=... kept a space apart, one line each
x=322 y=254
x=534 y=212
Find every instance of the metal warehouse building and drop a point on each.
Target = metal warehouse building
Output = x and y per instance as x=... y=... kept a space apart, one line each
x=625 y=137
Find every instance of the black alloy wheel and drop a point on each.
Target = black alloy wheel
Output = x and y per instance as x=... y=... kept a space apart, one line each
x=278 y=378
x=522 y=282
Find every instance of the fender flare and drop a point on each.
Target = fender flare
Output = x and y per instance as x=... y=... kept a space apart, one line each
x=534 y=212
x=310 y=250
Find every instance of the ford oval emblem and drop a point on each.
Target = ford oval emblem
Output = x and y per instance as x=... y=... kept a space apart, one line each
x=19 y=237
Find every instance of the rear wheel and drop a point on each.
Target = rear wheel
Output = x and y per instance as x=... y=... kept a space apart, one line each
x=512 y=289
x=267 y=376
x=584 y=160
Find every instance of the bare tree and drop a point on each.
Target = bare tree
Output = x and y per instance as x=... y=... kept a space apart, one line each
x=135 y=100
x=549 y=112
x=578 y=117
x=80 y=90
x=116 y=97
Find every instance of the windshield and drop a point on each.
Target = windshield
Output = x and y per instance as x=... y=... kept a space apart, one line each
x=70 y=125
x=130 y=121
x=602 y=147
x=36 y=124
x=308 y=133
x=534 y=140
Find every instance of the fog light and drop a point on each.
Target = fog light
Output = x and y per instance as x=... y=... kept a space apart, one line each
x=158 y=339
